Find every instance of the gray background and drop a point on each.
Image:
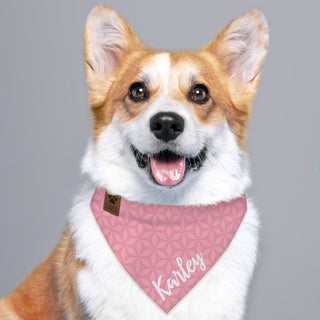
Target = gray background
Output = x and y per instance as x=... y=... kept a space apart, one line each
x=44 y=128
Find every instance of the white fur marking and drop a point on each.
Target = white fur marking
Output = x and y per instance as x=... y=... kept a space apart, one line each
x=158 y=71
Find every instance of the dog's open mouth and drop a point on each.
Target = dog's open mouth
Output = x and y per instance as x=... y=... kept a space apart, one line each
x=166 y=167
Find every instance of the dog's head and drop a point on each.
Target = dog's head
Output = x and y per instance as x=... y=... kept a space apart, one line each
x=171 y=127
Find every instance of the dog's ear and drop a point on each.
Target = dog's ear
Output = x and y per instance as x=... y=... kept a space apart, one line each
x=108 y=38
x=241 y=47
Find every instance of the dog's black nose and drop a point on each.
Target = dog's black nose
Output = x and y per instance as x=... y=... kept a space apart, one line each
x=166 y=126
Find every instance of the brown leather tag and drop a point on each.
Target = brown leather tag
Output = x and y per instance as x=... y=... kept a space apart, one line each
x=112 y=204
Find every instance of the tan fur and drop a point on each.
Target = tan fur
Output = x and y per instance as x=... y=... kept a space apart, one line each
x=6 y=311
x=50 y=291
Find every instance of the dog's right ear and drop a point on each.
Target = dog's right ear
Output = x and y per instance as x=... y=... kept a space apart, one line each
x=108 y=37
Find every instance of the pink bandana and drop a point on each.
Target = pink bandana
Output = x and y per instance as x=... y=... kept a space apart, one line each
x=166 y=249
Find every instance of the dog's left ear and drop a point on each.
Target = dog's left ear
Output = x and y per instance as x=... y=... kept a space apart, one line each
x=241 y=47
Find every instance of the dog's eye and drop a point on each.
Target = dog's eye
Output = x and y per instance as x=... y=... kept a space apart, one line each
x=138 y=92
x=199 y=94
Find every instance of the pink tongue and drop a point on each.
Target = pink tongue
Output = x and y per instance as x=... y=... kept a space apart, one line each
x=168 y=173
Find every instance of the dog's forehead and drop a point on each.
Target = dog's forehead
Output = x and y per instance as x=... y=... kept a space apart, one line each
x=167 y=70
x=157 y=69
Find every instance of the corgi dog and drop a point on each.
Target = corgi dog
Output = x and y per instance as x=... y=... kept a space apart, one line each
x=169 y=132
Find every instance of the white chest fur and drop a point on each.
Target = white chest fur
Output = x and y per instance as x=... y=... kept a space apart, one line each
x=108 y=292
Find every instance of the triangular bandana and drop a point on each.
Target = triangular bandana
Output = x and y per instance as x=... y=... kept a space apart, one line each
x=166 y=249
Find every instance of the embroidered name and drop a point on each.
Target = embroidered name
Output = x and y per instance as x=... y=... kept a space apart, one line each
x=183 y=274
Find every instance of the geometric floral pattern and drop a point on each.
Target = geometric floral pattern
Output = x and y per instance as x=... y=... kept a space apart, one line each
x=168 y=249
